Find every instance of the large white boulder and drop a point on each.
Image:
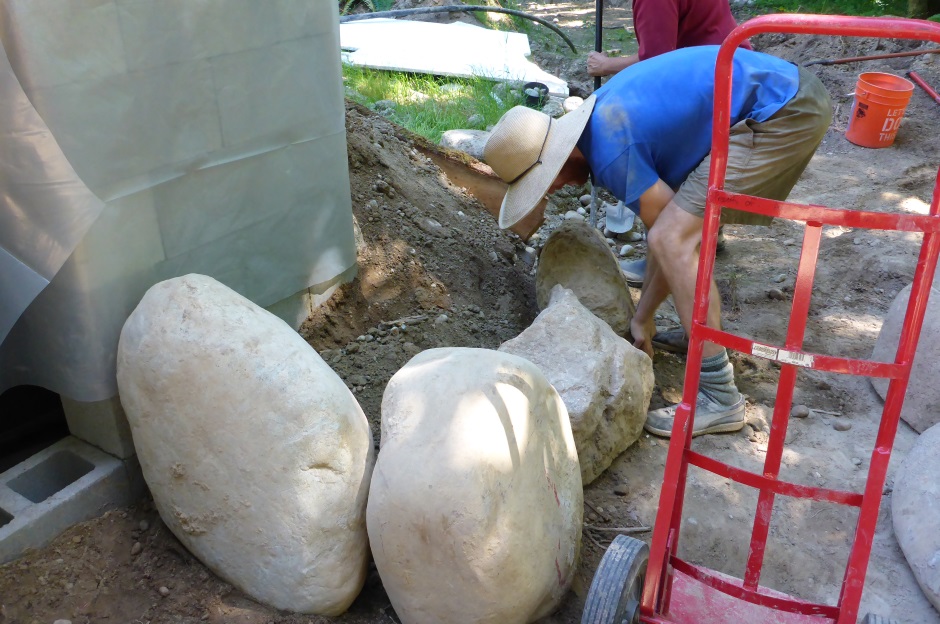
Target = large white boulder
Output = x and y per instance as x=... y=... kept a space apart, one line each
x=257 y=455
x=476 y=503
x=915 y=512
x=921 y=408
x=605 y=382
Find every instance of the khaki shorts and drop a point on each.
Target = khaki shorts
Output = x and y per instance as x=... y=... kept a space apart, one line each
x=765 y=159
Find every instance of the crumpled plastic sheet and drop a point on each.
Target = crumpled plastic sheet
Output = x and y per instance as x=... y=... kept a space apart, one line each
x=146 y=139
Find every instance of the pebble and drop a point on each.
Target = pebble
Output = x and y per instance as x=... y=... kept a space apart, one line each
x=476 y=120
x=352 y=347
x=144 y=525
x=571 y=215
x=440 y=319
x=619 y=491
x=841 y=425
x=777 y=294
x=789 y=242
x=799 y=411
x=164 y=591
x=77 y=539
x=633 y=237
x=780 y=278
x=585 y=200
x=358 y=380
x=857 y=240
x=626 y=250
x=856 y=461
x=136 y=548
x=582 y=211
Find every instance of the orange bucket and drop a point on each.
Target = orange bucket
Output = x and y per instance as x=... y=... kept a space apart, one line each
x=880 y=102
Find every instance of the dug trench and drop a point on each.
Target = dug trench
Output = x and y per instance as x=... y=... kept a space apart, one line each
x=435 y=270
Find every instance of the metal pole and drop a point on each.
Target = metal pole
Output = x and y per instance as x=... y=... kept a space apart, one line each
x=598 y=34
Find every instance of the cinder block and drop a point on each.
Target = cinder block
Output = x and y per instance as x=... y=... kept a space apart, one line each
x=69 y=482
x=102 y=424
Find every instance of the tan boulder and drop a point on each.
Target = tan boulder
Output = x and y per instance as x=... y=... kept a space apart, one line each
x=605 y=382
x=921 y=408
x=476 y=504
x=257 y=455
x=577 y=257
x=915 y=512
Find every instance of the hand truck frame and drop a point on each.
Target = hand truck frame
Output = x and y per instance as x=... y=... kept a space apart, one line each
x=654 y=586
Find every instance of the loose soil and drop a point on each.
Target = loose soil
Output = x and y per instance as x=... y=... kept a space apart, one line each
x=436 y=271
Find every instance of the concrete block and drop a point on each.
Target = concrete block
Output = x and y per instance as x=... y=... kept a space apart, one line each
x=67 y=483
x=175 y=31
x=102 y=424
x=64 y=42
x=293 y=102
x=125 y=132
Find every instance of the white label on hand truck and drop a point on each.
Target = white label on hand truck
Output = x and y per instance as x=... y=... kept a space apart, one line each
x=782 y=355
x=797 y=359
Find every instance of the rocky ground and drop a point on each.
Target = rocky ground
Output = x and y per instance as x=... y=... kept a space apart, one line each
x=435 y=270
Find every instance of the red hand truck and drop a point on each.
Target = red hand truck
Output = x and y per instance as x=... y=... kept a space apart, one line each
x=636 y=584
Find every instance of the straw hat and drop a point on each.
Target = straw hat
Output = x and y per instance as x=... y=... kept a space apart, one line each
x=527 y=149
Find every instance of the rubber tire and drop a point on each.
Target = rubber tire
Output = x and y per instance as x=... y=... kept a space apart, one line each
x=871 y=618
x=618 y=583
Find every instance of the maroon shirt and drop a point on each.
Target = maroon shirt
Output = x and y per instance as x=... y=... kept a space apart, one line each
x=665 y=25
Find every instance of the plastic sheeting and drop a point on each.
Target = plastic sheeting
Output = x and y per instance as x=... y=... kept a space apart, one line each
x=206 y=137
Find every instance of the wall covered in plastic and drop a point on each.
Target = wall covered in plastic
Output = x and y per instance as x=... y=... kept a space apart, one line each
x=154 y=138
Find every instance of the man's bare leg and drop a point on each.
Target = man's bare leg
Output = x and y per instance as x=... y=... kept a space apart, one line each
x=674 y=242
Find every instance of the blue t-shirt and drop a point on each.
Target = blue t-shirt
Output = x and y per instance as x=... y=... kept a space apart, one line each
x=654 y=119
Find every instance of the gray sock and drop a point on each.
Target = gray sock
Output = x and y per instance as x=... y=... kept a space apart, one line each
x=717 y=379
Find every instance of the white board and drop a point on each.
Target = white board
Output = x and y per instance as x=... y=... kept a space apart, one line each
x=457 y=49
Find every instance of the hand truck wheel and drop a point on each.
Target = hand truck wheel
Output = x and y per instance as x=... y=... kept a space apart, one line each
x=871 y=618
x=614 y=597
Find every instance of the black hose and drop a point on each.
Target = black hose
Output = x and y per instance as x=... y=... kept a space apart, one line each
x=457 y=9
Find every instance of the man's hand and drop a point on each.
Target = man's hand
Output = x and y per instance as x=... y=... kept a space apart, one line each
x=642 y=334
x=598 y=64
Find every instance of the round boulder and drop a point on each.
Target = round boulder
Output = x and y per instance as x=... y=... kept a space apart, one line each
x=577 y=257
x=921 y=408
x=257 y=455
x=476 y=504
x=915 y=512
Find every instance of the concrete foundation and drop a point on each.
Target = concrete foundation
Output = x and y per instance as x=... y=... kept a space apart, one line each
x=101 y=424
x=66 y=483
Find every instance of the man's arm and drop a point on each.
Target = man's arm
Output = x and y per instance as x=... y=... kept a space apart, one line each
x=599 y=64
x=655 y=286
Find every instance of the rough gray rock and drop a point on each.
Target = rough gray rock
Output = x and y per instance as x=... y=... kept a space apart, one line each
x=605 y=382
x=921 y=408
x=469 y=141
x=257 y=455
x=915 y=512
x=577 y=257
x=476 y=502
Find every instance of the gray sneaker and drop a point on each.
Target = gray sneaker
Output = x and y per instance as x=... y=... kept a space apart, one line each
x=634 y=272
x=710 y=417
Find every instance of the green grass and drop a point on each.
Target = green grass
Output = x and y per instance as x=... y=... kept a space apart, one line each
x=422 y=105
x=834 y=7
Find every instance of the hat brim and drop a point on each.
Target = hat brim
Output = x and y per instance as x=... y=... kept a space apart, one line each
x=524 y=194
